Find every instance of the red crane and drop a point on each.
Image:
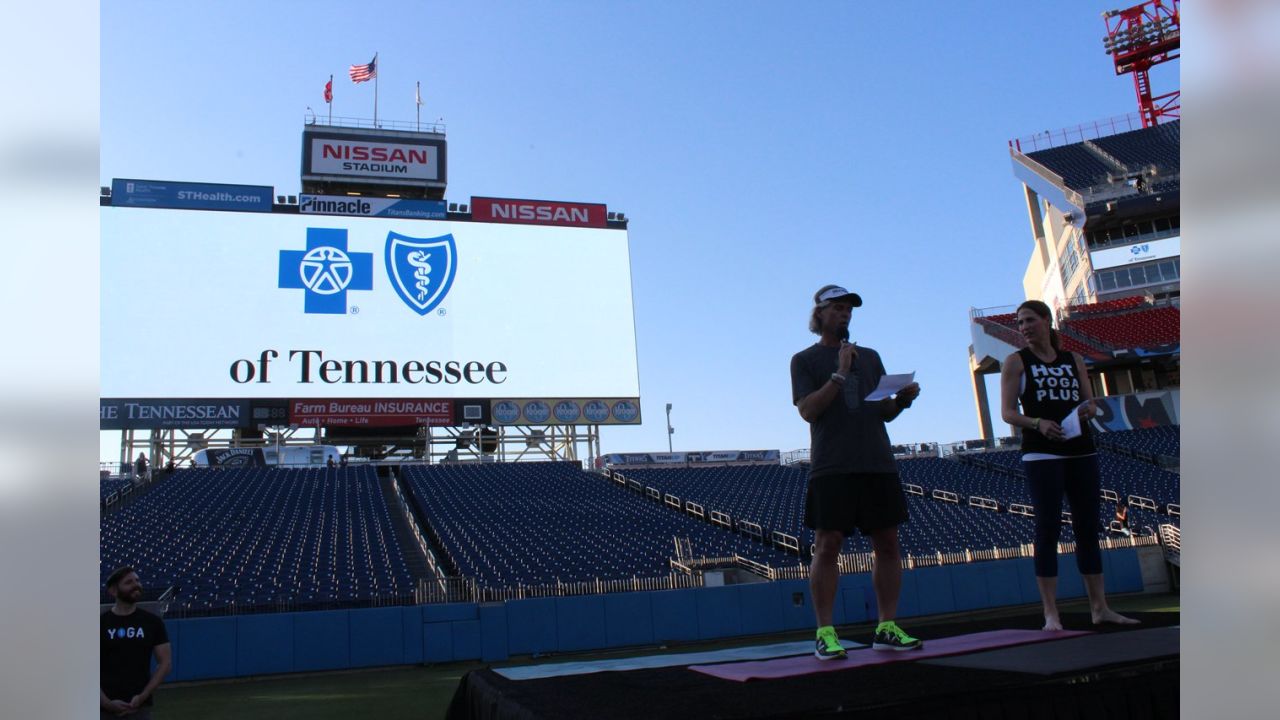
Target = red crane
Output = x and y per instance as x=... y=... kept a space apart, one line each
x=1139 y=38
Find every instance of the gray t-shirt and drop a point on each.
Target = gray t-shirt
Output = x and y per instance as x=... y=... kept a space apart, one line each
x=849 y=436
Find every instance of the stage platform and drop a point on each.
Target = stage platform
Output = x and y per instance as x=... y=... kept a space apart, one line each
x=997 y=668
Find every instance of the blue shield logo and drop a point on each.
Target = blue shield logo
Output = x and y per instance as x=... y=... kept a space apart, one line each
x=421 y=269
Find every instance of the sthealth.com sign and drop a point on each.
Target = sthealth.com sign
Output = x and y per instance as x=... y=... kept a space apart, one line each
x=372 y=207
x=190 y=196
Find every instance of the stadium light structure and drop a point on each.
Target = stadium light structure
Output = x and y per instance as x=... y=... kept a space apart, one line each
x=1138 y=39
x=670 y=430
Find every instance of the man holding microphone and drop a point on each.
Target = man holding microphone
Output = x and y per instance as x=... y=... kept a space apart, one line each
x=853 y=479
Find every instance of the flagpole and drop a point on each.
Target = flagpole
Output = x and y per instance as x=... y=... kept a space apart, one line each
x=331 y=100
x=375 y=90
x=417 y=101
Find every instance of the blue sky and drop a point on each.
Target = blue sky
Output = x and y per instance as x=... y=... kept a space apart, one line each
x=759 y=151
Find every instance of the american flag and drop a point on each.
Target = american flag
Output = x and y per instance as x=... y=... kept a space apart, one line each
x=365 y=73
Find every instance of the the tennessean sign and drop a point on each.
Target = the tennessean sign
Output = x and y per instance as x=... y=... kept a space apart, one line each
x=367 y=156
x=125 y=414
x=538 y=212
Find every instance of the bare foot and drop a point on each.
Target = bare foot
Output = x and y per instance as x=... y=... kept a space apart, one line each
x=1052 y=624
x=1111 y=616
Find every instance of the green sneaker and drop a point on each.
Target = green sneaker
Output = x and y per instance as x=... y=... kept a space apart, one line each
x=891 y=637
x=828 y=645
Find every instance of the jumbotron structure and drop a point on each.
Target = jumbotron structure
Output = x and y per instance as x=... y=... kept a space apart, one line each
x=367 y=312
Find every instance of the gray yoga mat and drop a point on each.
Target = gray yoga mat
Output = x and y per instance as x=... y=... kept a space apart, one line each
x=756 y=652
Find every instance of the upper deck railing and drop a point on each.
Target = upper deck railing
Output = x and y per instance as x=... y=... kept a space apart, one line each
x=428 y=126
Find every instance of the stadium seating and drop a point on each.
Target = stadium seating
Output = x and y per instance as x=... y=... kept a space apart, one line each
x=1107 y=306
x=1004 y=327
x=947 y=527
x=1081 y=165
x=1095 y=330
x=257 y=539
x=1141 y=329
x=774 y=497
x=1078 y=168
x=966 y=475
x=769 y=495
x=965 y=479
x=108 y=486
x=1128 y=476
x=1146 y=443
x=538 y=523
x=1137 y=149
x=258 y=536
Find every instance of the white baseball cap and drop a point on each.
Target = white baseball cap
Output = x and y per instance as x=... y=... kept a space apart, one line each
x=833 y=293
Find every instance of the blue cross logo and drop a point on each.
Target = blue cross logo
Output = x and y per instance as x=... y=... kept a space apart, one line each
x=326 y=271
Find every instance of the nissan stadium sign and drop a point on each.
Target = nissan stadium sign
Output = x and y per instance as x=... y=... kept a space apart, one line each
x=372 y=155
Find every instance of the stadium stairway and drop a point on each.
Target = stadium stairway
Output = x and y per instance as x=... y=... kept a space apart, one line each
x=413 y=557
x=736 y=512
x=136 y=493
x=1004 y=468
x=1096 y=347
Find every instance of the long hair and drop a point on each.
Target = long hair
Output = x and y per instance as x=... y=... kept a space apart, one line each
x=815 y=319
x=1042 y=310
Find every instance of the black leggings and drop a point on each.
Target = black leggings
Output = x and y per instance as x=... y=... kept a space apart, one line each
x=1078 y=478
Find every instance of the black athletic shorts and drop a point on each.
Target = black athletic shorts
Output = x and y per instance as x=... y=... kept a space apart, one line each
x=866 y=501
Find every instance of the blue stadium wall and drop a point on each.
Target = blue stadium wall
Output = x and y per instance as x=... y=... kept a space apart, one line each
x=246 y=645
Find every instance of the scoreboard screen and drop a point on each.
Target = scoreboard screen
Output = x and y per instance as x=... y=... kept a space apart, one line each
x=208 y=304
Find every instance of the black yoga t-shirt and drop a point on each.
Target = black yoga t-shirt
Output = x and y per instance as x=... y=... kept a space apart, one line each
x=126 y=643
x=1051 y=390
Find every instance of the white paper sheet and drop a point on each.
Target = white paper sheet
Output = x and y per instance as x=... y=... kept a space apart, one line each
x=890 y=384
x=1071 y=423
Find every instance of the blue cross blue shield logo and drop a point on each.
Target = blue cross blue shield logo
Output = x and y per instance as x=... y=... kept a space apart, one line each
x=326 y=270
x=421 y=269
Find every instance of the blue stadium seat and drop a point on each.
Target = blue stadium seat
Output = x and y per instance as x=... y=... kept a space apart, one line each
x=534 y=523
x=254 y=536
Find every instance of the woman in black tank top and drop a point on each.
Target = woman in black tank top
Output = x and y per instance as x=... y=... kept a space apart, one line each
x=1050 y=384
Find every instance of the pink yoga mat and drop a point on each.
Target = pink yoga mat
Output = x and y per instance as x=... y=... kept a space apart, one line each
x=792 y=666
